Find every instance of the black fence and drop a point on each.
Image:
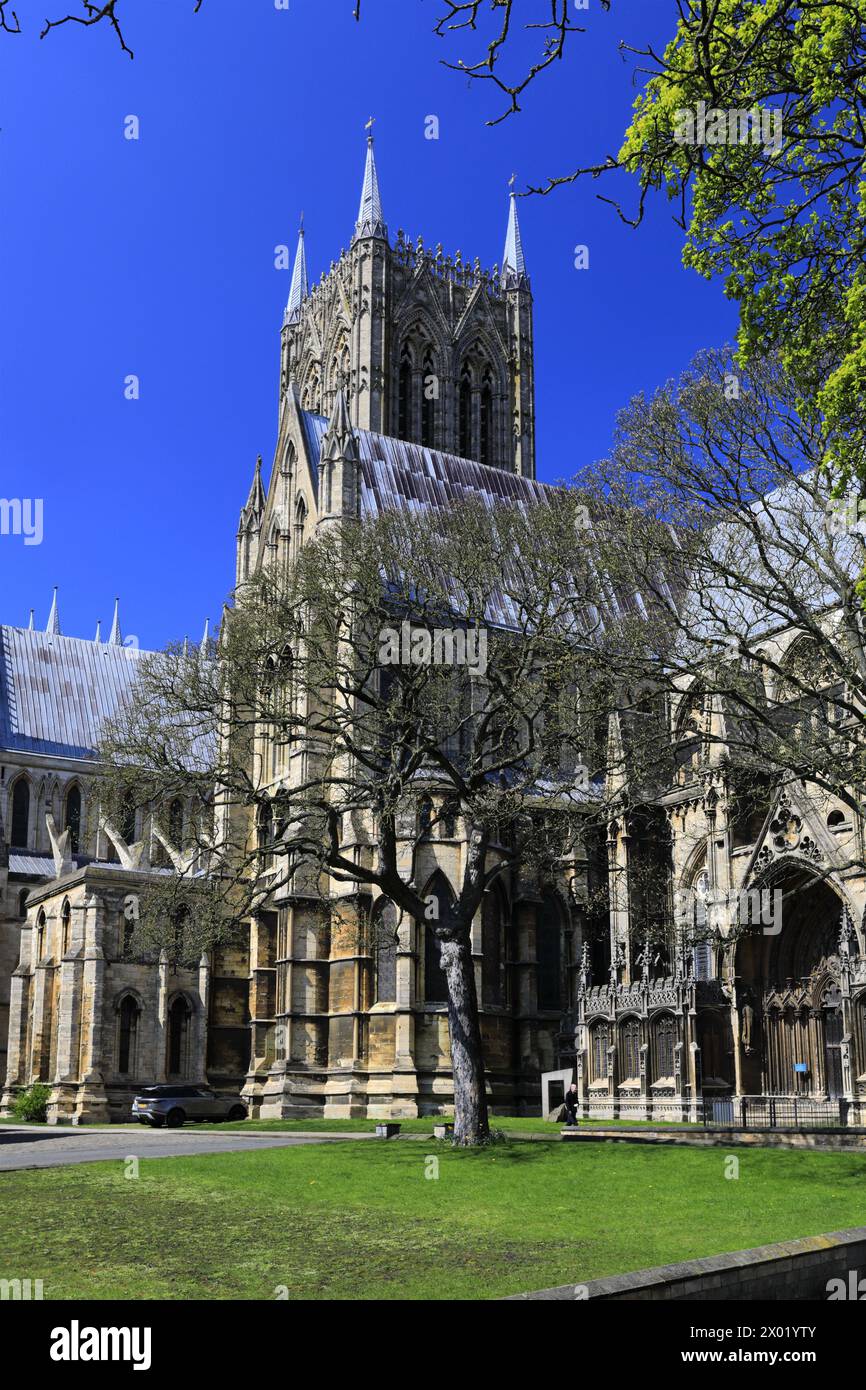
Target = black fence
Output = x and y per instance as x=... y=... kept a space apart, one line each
x=776 y=1112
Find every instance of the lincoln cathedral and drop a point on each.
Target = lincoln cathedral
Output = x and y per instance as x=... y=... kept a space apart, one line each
x=406 y=380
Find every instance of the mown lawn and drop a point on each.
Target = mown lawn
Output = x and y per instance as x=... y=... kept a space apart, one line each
x=361 y=1221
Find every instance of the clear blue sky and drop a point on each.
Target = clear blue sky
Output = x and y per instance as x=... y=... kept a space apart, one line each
x=156 y=257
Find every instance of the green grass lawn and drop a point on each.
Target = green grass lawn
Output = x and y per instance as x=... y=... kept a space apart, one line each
x=349 y=1221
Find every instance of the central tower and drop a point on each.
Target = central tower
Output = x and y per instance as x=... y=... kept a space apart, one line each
x=429 y=348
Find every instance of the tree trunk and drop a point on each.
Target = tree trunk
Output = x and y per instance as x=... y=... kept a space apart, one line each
x=467 y=1061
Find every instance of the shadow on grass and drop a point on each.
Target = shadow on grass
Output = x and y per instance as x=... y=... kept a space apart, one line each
x=511 y=1151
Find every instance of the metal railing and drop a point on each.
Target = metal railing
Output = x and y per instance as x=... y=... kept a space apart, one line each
x=776 y=1112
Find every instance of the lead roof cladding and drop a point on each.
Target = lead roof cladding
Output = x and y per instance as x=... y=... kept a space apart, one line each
x=56 y=692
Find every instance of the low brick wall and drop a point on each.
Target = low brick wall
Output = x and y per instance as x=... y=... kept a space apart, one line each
x=792 y=1269
x=717 y=1137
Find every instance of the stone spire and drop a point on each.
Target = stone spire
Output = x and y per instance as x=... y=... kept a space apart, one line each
x=513 y=263
x=98 y=637
x=114 y=637
x=53 y=624
x=31 y=625
x=298 y=289
x=370 y=221
x=255 y=503
x=205 y=639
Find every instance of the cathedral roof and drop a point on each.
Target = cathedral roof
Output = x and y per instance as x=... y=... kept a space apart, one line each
x=56 y=692
x=397 y=473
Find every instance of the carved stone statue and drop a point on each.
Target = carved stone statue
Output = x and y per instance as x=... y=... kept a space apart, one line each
x=748 y=1028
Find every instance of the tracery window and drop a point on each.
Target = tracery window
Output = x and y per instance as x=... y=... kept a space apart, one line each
x=20 y=814
x=464 y=414
x=175 y=822
x=383 y=929
x=549 y=955
x=486 y=421
x=493 y=949
x=435 y=983
x=599 y=1044
x=72 y=818
x=179 y=1031
x=630 y=1049
x=404 y=396
x=665 y=1037
x=429 y=391
x=127 y=1035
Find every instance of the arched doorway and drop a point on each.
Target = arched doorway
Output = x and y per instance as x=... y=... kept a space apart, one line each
x=789 y=1000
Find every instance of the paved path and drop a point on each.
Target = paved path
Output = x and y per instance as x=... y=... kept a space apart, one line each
x=35 y=1146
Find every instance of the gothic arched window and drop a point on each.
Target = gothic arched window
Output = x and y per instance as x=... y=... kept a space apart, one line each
x=72 y=818
x=435 y=984
x=664 y=1037
x=493 y=949
x=429 y=393
x=20 y=814
x=486 y=422
x=300 y=522
x=287 y=467
x=384 y=950
x=599 y=1044
x=179 y=1020
x=265 y=833
x=127 y=1035
x=40 y=936
x=65 y=928
x=464 y=415
x=630 y=1049
x=127 y=819
x=548 y=952
x=175 y=823
x=404 y=397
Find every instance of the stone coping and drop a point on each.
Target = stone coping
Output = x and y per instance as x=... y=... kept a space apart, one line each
x=711 y=1274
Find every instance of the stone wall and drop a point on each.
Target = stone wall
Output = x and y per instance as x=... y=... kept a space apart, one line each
x=792 y=1269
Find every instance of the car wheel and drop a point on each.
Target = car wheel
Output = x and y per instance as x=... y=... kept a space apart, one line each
x=237 y=1112
x=175 y=1118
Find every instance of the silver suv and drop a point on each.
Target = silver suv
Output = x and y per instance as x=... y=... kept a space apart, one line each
x=174 y=1105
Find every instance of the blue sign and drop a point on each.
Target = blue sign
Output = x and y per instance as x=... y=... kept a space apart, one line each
x=800 y=1066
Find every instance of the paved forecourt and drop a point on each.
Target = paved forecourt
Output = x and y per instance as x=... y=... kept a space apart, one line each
x=36 y=1146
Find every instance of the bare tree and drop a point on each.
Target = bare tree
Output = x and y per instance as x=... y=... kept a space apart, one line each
x=94 y=12
x=764 y=669
x=402 y=672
